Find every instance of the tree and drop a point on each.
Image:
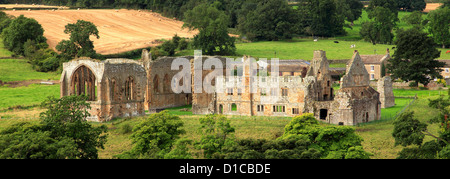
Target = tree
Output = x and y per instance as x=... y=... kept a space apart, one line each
x=411 y=5
x=19 y=31
x=212 y=24
x=66 y=118
x=379 y=28
x=26 y=141
x=410 y=132
x=322 y=17
x=216 y=133
x=333 y=142
x=415 y=19
x=356 y=8
x=439 y=25
x=62 y=133
x=270 y=20
x=154 y=138
x=415 y=57
x=79 y=44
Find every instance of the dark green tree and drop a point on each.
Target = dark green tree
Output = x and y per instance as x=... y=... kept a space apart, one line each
x=63 y=133
x=79 y=44
x=439 y=25
x=380 y=26
x=27 y=141
x=411 y=5
x=212 y=24
x=216 y=133
x=19 y=31
x=415 y=57
x=270 y=20
x=333 y=142
x=322 y=18
x=410 y=132
x=66 y=118
x=414 y=19
x=155 y=137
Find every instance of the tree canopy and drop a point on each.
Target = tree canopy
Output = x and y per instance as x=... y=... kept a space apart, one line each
x=19 y=31
x=79 y=43
x=415 y=57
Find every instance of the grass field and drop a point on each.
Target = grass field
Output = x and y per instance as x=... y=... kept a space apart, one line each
x=31 y=95
x=20 y=70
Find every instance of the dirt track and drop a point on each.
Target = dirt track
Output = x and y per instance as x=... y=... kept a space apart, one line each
x=120 y=30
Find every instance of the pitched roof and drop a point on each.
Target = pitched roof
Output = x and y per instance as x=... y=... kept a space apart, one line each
x=374 y=59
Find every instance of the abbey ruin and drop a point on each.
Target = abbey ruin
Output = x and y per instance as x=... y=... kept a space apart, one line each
x=126 y=88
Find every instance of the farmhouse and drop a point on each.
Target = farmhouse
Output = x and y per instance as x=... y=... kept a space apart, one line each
x=374 y=64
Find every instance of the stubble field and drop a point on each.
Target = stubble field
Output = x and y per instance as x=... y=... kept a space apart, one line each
x=119 y=30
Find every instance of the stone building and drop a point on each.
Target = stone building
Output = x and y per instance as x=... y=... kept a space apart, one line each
x=375 y=63
x=355 y=102
x=115 y=87
x=124 y=88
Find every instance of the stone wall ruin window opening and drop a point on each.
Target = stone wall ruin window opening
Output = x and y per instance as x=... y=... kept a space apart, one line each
x=113 y=90
x=233 y=107
x=260 y=108
x=156 y=84
x=166 y=86
x=84 y=83
x=130 y=88
x=284 y=91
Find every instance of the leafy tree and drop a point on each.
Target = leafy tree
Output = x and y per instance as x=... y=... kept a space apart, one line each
x=391 y=5
x=356 y=8
x=212 y=25
x=63 y=133
x=66 y=118
x=415 y=57
x=379 y=28
x=270 y=20
x=79 y=44
x=439 y=25
x=26 y=141
x=410 y=132
x=155 y=137
x=322 y=17
x=333 y=142
x=295 y=147
x=19 y=31
x=415 y=19
x=411 y=5
x=216 y=132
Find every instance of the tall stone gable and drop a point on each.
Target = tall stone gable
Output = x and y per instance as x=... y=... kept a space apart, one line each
x=356 y=74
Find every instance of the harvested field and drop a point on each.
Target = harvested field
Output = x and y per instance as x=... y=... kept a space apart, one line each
x=432 y=6
x=120 y=30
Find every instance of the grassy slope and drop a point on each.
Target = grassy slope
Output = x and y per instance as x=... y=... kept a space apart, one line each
x=20 y=70
x=26 y=96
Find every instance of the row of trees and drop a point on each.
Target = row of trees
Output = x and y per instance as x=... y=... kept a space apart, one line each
x=158 y=137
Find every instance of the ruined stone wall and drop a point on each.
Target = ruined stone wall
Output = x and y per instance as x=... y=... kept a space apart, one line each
x=160 y=94
x=119 y=87
x=270 y=101
x=385 y=89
